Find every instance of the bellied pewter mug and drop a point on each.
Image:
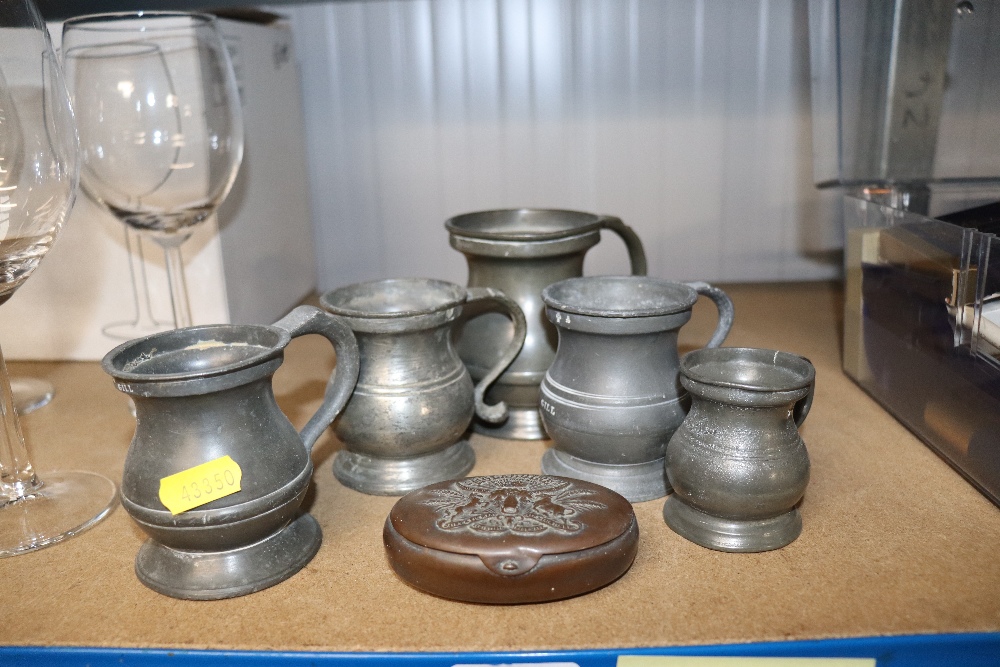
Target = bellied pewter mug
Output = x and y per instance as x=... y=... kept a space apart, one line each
x=203 y=395
x=611 y=398
x=405 y=424
x=737 y=464
x=520 y=251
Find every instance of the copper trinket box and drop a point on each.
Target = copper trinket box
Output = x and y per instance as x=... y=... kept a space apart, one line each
x=510 y=539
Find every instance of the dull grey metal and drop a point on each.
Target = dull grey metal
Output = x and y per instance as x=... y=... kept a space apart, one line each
x=737 y=464
x=204 y=392
x=521 y=251
x=611 y=399
x=405 y=425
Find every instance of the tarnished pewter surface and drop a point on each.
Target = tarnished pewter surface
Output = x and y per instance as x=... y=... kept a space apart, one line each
x=404 y=425
x=611 y=398
x=888 y=527
x=737 y=464
x=641 y=481
x=511 y=538
x=520 y=251
x=380 y=476
x=205 y=392
x=214 y=575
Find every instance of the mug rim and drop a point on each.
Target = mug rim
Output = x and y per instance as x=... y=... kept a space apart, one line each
x=684 y=297
x=115 y=366
x=452 y=296
x=802 y=367
x=458 y=224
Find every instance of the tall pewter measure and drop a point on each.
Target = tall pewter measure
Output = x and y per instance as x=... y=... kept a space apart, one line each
x=520 y=251
x=405 y=423
x=611 y=398
x=202 y=394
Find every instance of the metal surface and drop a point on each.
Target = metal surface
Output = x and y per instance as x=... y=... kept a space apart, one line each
x=906 y=60
x=205 y=392
x=689 y=120
x=737 y=464
x=611 y=400
x=881 y=87
x=404 y=426
x=521 y=251
x=510 y=539
x=959 y=650
x=234 y=572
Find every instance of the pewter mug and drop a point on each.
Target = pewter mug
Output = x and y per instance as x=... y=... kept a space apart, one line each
x=611 y=399
x=202 y=393
x=405 y=423
x=737 y=464
x=519 y=252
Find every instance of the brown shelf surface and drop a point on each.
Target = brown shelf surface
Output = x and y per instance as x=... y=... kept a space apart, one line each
x=894 y=541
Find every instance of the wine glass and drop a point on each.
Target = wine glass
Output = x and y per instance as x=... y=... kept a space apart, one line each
x=160 y=124
x=38 y=177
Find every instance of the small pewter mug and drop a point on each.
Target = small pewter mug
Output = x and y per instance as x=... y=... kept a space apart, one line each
x=611 y=399
x=737 y=463
x=202 y=393
x=519 y=252
x=404 y=425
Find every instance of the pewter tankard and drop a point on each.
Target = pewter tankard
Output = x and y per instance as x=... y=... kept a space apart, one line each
x=404 y=426
x=611 y=399
x=519 y=252
x=737 y=464
x=204 y=393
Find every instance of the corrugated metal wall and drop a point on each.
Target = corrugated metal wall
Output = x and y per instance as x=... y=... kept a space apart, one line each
x=687 y=118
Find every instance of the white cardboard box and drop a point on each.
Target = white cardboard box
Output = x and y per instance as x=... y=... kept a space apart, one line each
x=252 y=262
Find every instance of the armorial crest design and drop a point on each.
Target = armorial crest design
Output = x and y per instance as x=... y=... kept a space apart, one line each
x=518 y=504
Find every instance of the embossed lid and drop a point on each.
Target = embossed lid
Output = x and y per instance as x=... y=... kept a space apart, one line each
x=511 y=538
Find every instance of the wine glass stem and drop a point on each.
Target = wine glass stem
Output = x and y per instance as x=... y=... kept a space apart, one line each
x=145 y=320
x=17 y=477
x=178 y=286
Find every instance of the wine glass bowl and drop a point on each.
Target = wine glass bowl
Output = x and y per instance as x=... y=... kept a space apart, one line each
x=160 y=123
x=37 y=158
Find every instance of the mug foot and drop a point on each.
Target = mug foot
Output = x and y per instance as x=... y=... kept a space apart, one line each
x=215 y=575
x=521 y=424
x=395 y=477
x=724 y=534
x=637 y=482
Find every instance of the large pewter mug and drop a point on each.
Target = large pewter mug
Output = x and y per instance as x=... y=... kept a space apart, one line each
x=405 y=424
x=204 y=393
x=611 y=398
x=520 y=252
x=738 y=464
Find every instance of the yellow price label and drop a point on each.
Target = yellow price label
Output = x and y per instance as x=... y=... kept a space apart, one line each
x=201 y=484
x=711 y=661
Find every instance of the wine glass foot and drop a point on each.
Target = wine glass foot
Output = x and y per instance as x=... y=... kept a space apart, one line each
x=30 y=393
x=66 y=504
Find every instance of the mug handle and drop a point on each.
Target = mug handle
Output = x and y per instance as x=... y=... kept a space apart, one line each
x=636 y=253
x=494 y=414
x=803 y=405
x=725 y=306
x=307 y=320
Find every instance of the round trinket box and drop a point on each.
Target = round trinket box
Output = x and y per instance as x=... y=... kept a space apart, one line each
x=510 y=539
